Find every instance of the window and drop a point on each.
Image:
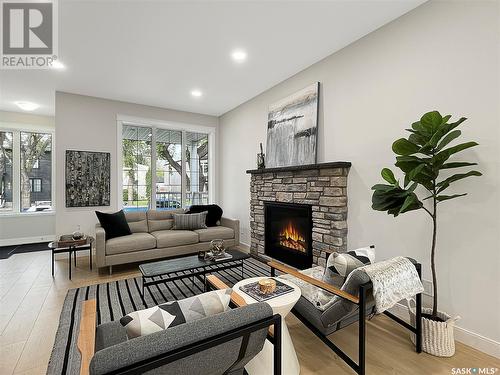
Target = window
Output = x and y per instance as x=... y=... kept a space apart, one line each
x=168 y=169
x=36 y=148
x=6 y=155
x=196 y=168
x=174 y=165
x=25 y=171
x=36 y=185
x=136 y=153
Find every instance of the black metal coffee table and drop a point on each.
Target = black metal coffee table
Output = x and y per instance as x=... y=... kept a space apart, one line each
x=188 y=267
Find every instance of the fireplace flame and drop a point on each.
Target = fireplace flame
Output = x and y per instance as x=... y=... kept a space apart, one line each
x=290 y=237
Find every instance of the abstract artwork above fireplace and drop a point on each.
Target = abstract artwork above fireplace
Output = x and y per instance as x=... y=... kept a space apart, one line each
x=288 y=229
x=292 y=127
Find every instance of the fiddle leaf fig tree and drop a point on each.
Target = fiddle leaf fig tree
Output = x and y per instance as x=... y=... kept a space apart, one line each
x=422 y=157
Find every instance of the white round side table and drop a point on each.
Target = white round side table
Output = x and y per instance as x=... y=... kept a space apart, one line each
x=262 y=363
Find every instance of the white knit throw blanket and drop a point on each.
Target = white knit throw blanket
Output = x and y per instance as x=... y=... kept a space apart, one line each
x=393 y=280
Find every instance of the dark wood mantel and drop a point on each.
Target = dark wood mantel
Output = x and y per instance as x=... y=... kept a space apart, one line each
x=334 y=164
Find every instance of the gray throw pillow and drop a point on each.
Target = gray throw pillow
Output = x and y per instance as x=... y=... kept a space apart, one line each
x=171 y=314
x=190 y=221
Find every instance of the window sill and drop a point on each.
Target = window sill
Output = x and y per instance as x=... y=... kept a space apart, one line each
x=21 y=214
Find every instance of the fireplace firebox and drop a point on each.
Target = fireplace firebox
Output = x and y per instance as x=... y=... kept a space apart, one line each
x=288 y=228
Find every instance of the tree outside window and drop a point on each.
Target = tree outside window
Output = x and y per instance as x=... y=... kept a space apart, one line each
x=6 y=171
x=36 y=148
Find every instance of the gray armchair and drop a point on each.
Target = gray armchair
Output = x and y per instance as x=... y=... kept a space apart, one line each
x=219 y=344
x=352 y=303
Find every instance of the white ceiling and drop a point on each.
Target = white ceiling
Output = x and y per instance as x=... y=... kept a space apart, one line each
x=156 y=52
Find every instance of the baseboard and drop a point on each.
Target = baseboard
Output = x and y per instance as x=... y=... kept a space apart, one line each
x=472 y=339
x=27 y=240
x=244 y=247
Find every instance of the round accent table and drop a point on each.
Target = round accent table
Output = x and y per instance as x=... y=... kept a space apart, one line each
x=262 y=364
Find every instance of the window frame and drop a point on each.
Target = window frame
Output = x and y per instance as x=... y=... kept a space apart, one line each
x=211 y=132
x=16 y=130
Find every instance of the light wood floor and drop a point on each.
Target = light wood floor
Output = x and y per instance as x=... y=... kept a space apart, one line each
x=31 y=301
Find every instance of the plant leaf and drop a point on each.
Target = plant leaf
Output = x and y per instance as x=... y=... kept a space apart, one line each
x=411 y=203
x=414 y=172
x=404 y=147
x=444 y=155
x=449 y=137
x=457 y=164
x=441 y=198
x=382 y=187
x=432 y=120
x=459 y=176
x=388 y=176
x=442 y=130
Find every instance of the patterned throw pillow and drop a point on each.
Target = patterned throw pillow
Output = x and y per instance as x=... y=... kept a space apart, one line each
x=170 y=314
x=190 y=221
x=340 y=265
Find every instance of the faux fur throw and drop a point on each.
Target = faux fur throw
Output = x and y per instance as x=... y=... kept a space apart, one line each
x=393 y=280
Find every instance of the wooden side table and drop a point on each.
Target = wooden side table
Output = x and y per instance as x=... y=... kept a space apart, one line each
x=71 y=247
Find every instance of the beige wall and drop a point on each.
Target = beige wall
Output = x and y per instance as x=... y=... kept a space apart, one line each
x=445 y=56
x=89 y=123
x=26 y=228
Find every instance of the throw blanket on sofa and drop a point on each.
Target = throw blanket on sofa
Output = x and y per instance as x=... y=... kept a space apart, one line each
x=393 y=280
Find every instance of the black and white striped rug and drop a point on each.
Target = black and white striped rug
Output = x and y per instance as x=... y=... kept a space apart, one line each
x=118 y=298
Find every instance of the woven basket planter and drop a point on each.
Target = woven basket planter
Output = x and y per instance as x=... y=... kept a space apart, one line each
x=437 y=337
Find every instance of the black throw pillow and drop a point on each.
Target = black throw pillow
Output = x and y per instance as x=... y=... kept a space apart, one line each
x=213 y=216
x=115 y=225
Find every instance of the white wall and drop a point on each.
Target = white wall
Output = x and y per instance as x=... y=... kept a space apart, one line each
x=19 y=228
x=444 y=56
x=90 y=124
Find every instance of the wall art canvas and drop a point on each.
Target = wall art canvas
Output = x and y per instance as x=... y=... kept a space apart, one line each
x=292 y=128
x=88 y=176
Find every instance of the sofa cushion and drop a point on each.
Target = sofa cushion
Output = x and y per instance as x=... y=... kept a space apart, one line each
x=215 y=233
x=171 y=238
x=137 y=221
x=214 y=213
x=171 y=314
x=190 y=221
x=161 y=219
x=114 y=224
x=132 y=242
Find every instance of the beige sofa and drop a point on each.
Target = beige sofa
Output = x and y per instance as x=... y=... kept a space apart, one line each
x=153 y=237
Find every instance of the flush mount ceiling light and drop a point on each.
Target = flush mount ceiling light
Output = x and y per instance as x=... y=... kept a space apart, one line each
x=239 y=55
x=196 y=93
x=58 y=65
x=27 y=106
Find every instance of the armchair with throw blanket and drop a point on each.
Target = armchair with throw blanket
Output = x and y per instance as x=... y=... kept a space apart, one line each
x=348 y=290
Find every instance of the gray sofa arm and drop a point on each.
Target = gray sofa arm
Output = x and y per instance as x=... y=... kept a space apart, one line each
x=100 y=246
x=234 y=225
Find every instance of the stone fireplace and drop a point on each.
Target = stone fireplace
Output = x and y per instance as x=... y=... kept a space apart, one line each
x=319 y=188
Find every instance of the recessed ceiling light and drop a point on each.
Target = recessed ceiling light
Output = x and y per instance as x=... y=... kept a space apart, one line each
x=58 y=65
x=27 y=106
x=239 y=55
x=196 y=93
